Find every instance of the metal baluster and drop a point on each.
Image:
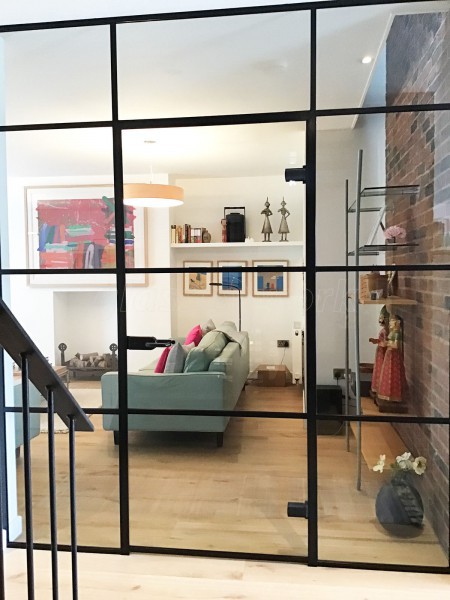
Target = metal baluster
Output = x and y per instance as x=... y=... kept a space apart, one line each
x=73 y=508
x=27 y=477
x=52 y=491
x=2 y=466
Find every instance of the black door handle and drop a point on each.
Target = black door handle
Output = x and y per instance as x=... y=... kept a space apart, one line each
x=147 y=343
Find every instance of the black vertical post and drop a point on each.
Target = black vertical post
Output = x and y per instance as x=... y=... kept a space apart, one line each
x=310 y=329
x=52 y=491
x=2 y=479
x=27 y=477
x=121 y=304
x=73 y=508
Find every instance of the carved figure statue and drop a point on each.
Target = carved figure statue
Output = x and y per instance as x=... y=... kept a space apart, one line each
x=381 y=342
x=283 y=229
x=267 y=227
x=392 y=385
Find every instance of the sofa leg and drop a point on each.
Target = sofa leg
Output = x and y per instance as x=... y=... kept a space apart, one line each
x=219 y=440
x=116 y=437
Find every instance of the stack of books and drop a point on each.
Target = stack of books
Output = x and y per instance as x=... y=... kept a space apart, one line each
x=185 y=234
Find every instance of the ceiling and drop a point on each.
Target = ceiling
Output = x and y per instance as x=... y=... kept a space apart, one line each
x=246 y=64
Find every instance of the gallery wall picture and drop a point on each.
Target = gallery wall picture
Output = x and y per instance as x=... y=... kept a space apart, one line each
x=231 y=280
x=196 y=283
x=273 y=282
x=73 y=227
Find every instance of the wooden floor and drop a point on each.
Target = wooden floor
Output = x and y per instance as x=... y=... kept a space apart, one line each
x=187 y=493
x=156 y=577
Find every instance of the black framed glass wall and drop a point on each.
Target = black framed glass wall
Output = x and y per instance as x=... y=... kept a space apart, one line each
x=332 y=111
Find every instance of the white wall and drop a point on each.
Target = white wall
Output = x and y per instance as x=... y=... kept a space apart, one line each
x=337 y=161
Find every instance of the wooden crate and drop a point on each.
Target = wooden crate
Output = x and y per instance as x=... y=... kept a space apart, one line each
x=370 y=282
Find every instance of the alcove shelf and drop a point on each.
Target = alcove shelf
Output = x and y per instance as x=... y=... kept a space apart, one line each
x=230 y=245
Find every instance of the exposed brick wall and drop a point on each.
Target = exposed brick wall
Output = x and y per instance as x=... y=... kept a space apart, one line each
x=418 y=151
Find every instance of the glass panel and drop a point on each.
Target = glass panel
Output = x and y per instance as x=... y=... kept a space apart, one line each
x=219 y=169
x=187 y=493
x=403 y=343
x=400 y=515
x=75 y=331
x=270 y=351
x=59 y=203
x=187 y=505
x=57 y=76
x=190 y=67
x=390 y=54
x=404 y=189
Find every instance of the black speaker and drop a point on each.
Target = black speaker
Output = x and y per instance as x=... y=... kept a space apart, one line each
x=329 y=402
x=235 y=224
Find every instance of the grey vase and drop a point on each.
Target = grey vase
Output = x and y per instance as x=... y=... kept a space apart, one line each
x=399 y=507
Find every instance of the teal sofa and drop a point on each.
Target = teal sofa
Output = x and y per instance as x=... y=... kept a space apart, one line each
x=218 y=388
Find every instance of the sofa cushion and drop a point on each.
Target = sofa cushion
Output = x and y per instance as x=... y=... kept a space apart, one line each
x=229 y=324
x=213 y=343
x=177 y=357
x=161 y=364
x=208 y=326
x=195 y=335
x=196 y=361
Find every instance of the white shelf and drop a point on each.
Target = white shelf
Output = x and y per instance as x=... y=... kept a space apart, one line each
x=237 y=245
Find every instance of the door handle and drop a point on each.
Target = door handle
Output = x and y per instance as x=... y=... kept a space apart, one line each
x=147 y=343
x=298 y=509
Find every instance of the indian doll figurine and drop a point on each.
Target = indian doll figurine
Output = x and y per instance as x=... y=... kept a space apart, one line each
x=392 y=389
x=283 y=229
x=381 y=342
x=267 y=227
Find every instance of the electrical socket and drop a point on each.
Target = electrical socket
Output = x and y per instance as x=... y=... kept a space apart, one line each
x=338 y=373
x=282 y=343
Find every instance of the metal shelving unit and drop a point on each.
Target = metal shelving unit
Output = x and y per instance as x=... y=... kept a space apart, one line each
x=369 y=249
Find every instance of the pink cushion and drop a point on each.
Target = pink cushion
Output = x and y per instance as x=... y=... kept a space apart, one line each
x=161 y=364
x=195 y=335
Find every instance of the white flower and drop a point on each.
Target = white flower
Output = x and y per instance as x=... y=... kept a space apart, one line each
x=380 y=464
x=404 y=462
x=419 y=465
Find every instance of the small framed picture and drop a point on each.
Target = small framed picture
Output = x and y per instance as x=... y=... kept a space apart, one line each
x=233 y=281
x=197 y=283
x=273 y=282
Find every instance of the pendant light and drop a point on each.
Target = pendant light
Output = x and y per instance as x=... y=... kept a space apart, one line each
x=152 y=195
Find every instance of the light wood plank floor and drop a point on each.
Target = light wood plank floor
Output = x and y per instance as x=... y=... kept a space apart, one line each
x=155 y=577
x=186 y=493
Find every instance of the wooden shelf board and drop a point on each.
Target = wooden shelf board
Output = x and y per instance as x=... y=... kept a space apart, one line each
x=378 y=438
x=237 y=245
x=391 y=300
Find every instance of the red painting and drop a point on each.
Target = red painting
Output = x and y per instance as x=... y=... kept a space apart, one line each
x=80 y=233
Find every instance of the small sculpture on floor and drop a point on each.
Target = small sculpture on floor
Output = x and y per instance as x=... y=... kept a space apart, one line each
x=267 y=227
x=381 y=342
x=284 y=228
x=392 y=389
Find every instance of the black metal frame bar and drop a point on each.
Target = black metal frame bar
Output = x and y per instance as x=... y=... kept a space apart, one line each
x=73 y=508
x=52 y=492
x=27 y=477
x=311 y=269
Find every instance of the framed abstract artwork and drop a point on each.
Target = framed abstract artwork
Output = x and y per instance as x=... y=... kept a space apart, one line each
x=197 y=283
x=73 y=227
x=232 y=281
x=273 y=282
